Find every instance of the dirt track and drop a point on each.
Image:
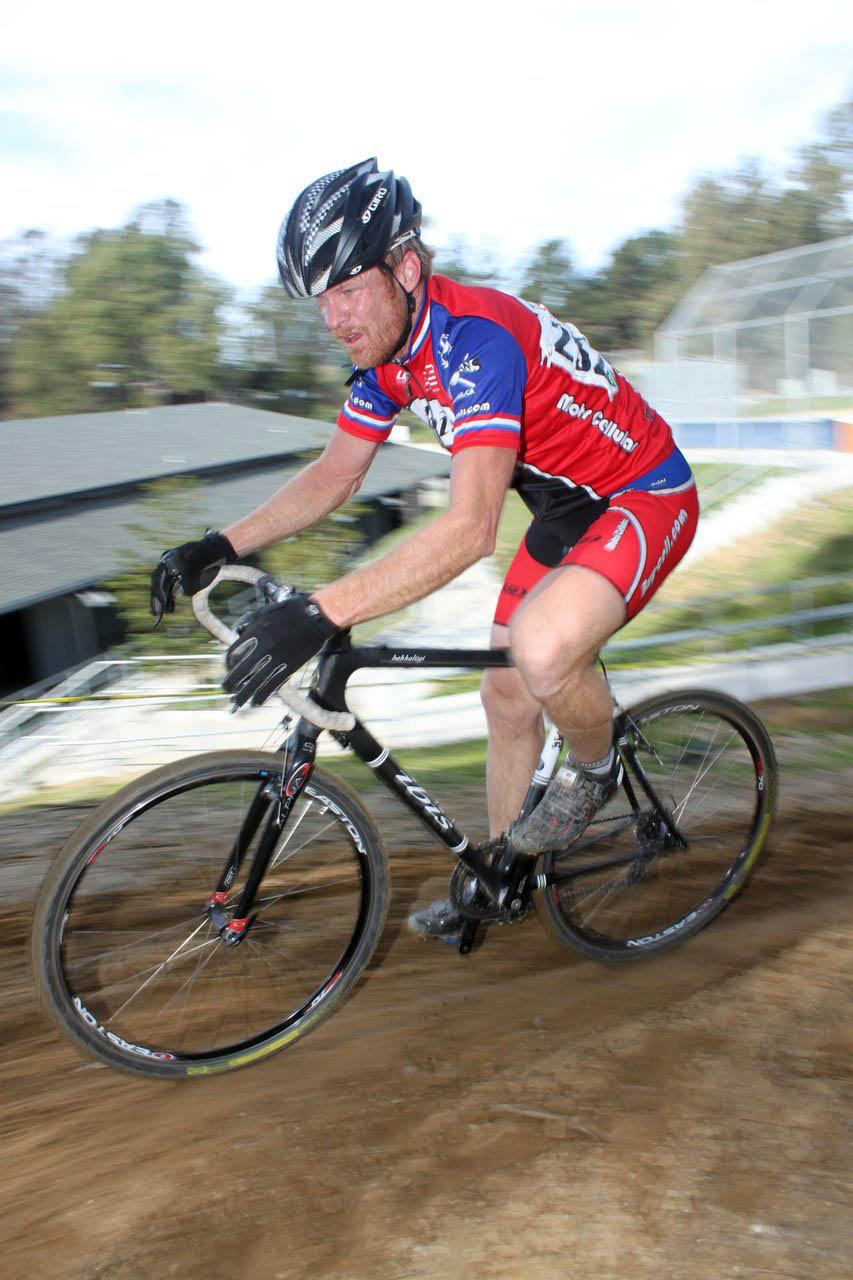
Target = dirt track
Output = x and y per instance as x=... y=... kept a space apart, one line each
x=517 y=1113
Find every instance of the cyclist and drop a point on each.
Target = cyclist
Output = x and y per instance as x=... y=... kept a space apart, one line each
x=522 y=401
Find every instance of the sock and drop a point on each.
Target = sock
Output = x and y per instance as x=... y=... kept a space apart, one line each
x=598 y=769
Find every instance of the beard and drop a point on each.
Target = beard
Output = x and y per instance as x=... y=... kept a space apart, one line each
x=385 y=338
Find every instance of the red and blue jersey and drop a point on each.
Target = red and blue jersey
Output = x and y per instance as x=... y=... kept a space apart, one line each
x=485 y=368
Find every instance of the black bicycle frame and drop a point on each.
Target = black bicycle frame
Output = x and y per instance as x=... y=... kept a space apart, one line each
x=338 y=662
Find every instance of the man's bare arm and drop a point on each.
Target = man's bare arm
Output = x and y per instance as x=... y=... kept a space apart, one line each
x=307 y=497
x=479 y=479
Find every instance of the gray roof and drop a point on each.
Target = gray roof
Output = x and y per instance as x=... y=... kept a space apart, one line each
x=52 y=458
x=55 y=554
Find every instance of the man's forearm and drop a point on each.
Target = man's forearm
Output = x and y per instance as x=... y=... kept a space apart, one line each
x=306 y=498
x=424 y=562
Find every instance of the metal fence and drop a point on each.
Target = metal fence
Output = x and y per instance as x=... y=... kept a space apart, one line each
x=758 y=353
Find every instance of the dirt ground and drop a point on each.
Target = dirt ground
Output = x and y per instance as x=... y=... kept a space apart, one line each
x=518 y=1113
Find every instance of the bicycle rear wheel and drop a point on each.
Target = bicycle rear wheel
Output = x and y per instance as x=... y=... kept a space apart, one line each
x=128 y=958
x=627 y=888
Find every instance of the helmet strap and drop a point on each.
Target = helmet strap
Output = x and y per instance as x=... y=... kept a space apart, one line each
x=407 y=327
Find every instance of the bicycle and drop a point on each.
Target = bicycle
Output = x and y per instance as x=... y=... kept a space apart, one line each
x=218 y=908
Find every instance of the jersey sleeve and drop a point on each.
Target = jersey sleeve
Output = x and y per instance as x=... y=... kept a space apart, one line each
x=486 y=379
x=369 y=412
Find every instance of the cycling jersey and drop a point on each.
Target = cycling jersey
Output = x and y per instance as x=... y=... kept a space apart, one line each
x=485 y=368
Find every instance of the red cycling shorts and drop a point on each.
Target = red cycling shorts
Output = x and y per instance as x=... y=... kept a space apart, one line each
x=635 y=544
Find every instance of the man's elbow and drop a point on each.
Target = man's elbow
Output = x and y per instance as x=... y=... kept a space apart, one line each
x=482 y=542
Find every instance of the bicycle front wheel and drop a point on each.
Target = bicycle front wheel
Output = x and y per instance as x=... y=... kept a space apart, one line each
x=130 y=960
x=627 y=888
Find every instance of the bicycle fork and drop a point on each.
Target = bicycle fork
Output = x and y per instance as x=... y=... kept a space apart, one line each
x=273 y=802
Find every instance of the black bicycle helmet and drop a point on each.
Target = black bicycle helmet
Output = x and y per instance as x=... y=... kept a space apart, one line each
x=342 y=224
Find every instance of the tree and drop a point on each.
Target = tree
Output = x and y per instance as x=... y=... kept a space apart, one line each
x=136 y=323
x=744 y=215
x=30 y=268
x=285 y=357
x=467 y=264
x=638 y=289
x=174 y=510
x=549 y=276
x=321 y=554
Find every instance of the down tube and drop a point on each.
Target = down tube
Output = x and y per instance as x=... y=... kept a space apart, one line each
x=403 y=785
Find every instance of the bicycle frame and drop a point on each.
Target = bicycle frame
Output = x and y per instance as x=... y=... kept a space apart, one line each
x=509 y=881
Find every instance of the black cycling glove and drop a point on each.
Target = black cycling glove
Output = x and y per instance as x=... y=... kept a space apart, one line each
x=272 y=643
x=191 y=566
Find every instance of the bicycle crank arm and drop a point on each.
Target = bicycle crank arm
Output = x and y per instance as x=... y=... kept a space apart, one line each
x=468 y=936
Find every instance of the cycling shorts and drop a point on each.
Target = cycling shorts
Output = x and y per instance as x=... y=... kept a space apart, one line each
x=635 y=543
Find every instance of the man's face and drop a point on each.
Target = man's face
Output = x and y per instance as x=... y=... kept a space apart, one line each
x=366 y=314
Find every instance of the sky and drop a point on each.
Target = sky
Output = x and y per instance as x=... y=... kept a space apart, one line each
x=514 y=123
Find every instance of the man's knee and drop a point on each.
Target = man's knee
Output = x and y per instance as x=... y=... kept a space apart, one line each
x=548 y=661
x=557 y=632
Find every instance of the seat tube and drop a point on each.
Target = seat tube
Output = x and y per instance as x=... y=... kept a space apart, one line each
x=544 y=771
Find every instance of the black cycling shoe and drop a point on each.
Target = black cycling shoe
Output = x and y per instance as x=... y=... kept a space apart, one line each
x=440 y=920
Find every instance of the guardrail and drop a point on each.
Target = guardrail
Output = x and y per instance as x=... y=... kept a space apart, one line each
x=798 y=625
x=802 y=621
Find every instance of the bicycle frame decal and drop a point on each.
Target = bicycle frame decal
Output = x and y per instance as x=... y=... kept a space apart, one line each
x=422 y=798
x=297 y=779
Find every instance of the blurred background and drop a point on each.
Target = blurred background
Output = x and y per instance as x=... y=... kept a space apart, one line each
x=680 y=193
x=676 y=181
x=684 y=201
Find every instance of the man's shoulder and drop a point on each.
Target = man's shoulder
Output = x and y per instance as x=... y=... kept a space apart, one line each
x=462 y=311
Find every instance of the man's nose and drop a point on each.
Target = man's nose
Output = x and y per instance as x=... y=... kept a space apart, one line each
x=333 y=312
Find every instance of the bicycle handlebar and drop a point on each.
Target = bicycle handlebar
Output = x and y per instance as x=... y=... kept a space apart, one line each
x=302 y=704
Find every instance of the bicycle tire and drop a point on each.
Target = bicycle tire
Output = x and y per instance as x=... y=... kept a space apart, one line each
x=659 y=898
x=151 y=832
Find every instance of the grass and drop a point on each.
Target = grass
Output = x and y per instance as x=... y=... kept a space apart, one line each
x=447 y=766
x=816 y=540
x=811 y=732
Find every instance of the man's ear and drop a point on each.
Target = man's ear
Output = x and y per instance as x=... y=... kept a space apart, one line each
x=409 y=272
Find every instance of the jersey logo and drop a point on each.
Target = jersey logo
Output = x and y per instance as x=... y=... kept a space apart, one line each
x=469 y=365
x=437 y=416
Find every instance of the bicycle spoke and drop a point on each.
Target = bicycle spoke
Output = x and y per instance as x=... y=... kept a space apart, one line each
x=144 y=956
x=700 y=766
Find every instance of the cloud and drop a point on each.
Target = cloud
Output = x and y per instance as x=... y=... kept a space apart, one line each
x=545 y=121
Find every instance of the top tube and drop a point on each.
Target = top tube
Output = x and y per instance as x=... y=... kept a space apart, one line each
x=385 y=655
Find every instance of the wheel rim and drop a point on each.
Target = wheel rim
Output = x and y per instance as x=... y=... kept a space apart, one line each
x=141 y=958
x=711 y=778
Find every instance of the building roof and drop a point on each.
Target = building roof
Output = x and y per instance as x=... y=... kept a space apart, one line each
x=66 y=552
x=59 y=549
x=51 y=459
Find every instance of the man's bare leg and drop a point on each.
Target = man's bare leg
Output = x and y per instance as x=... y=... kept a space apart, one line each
x=555 y=636
x=516 y=735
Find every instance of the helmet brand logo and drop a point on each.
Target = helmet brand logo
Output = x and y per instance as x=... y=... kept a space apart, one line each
x=374 y=204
